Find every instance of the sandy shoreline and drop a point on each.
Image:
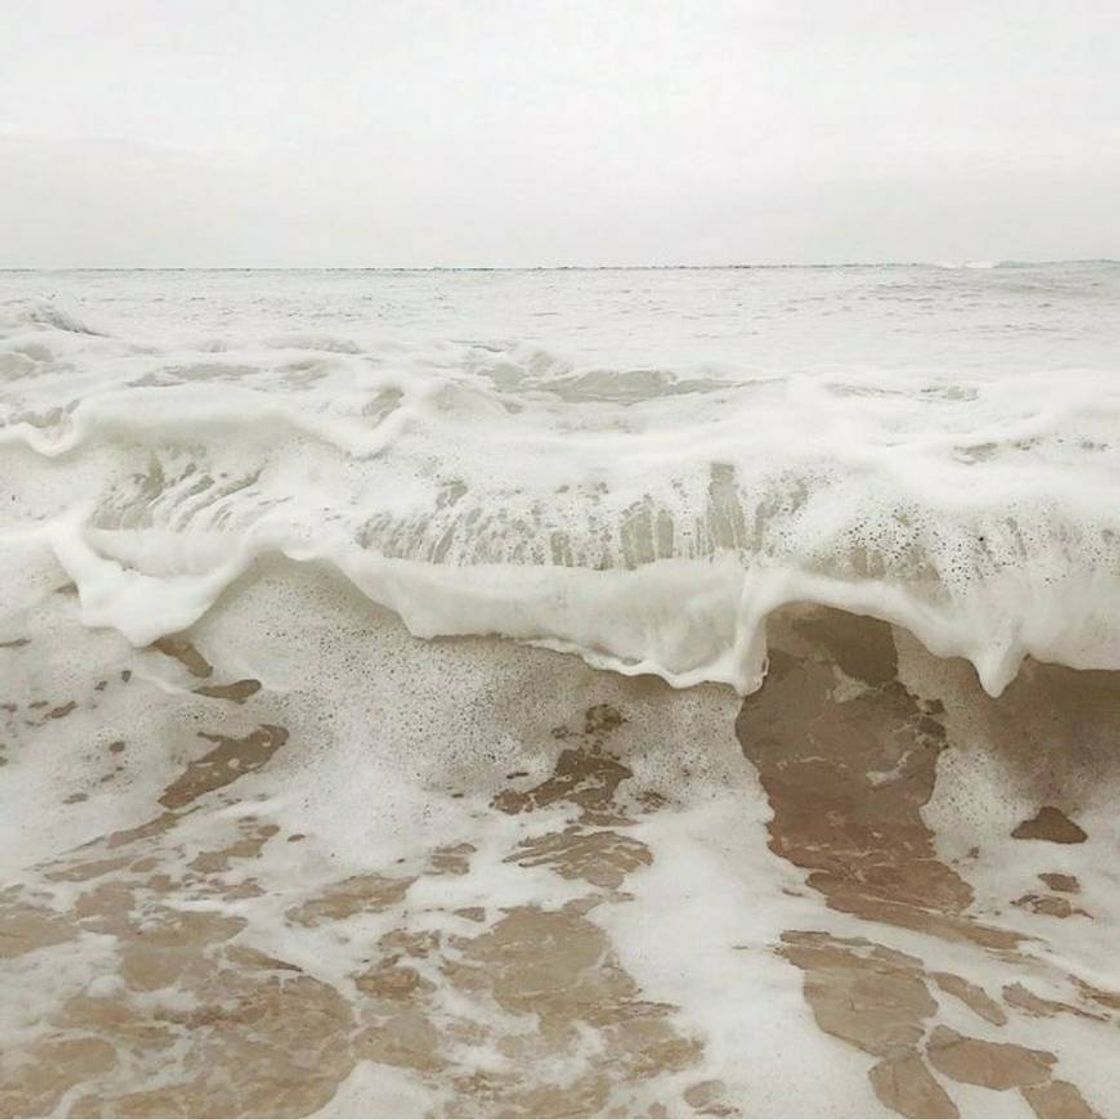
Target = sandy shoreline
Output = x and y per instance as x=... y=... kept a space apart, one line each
x=295 y=861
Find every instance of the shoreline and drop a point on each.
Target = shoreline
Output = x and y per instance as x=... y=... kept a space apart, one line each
x=323 y=867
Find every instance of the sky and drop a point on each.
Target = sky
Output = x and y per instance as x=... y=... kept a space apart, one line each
x=420 y=133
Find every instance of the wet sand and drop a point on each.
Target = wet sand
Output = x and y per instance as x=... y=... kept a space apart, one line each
x=320 y=867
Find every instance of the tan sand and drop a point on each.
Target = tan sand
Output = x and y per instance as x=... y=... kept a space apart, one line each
x=211 y=958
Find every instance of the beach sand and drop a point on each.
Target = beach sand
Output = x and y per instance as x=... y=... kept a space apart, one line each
x=295 y=861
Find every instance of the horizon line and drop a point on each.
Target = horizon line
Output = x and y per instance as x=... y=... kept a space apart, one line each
x=977 y=264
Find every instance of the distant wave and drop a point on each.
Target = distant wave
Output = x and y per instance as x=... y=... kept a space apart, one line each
x=49 y=313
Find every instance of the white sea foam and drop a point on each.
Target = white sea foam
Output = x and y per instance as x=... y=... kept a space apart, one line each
x=545 y=457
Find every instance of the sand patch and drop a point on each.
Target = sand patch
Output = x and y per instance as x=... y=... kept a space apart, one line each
x=1050 y=824
x=229 y=760
x=848 y=757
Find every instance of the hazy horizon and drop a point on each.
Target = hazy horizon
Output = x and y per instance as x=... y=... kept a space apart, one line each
x=972 y=265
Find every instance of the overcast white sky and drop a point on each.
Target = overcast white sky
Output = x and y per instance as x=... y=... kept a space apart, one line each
x=540 y=132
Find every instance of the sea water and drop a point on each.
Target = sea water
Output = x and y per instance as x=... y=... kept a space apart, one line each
x=635 y=465
x=275 y=844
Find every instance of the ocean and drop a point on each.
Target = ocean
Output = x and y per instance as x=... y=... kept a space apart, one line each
x=642 y=692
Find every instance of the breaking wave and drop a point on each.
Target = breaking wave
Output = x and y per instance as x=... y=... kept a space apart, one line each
x=649 y=519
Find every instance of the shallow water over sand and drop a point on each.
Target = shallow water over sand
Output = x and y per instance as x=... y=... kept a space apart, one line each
x=297 y=862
